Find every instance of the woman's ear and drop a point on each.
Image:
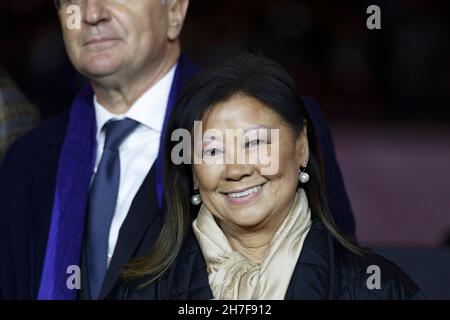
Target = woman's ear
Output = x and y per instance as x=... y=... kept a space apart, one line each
x=194 y=179
x=302 y=147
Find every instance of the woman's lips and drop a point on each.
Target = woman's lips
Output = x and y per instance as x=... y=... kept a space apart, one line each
x=245 y=196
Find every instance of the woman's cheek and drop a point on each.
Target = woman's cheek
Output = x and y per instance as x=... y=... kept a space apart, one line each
x=209 y=176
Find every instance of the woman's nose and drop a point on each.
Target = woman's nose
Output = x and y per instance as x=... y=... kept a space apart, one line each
x=237 y=171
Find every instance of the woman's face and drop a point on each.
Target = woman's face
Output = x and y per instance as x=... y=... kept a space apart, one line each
x=243 y=195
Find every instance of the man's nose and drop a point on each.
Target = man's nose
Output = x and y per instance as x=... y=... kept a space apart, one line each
x=96 y=11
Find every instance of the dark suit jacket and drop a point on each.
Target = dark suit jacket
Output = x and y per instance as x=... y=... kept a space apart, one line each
x=324 y=270
x=27 y=185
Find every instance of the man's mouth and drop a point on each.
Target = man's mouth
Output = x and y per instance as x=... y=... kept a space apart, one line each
x=98 y=40
x=100 y=43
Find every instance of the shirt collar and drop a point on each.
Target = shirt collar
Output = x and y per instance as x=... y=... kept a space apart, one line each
x=149 y=110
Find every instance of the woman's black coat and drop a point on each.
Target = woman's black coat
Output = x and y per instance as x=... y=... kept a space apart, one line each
x=325 y=270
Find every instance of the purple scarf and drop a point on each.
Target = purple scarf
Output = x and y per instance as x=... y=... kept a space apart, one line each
x=75 y=169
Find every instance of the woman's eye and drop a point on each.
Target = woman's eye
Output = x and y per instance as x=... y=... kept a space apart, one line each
x=211 y=152
x=254 y=143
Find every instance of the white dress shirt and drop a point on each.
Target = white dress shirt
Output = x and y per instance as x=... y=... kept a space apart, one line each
x=138 y=151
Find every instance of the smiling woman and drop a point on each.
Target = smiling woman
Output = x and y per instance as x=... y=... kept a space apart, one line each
x=255 y=235
x=238 y=194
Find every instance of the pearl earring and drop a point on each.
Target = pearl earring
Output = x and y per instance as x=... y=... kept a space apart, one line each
x=303 y=177
x=196 y=199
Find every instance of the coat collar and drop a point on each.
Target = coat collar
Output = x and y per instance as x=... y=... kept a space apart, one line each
x=313 y=277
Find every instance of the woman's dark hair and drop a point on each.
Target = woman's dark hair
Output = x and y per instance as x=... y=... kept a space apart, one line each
x=249 y=75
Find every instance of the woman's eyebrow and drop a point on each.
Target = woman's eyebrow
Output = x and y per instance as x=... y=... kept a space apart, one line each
x=257 y=127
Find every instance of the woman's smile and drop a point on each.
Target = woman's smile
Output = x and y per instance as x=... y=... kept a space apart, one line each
x=244 y=196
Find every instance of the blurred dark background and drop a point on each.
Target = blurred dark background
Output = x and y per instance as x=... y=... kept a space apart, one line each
x=386 y=93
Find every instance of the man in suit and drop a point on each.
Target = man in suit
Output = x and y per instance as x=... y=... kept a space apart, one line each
x=86 y=188
x=57 y=182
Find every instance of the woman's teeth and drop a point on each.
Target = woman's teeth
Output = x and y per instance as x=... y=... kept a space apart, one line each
x=245 y=193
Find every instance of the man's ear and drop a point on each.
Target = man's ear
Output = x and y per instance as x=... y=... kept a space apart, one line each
x=177 y=10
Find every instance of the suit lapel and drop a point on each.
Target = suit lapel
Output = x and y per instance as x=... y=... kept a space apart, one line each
x=134 y=238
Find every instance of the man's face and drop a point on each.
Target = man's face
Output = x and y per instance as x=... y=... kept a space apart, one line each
x=117 y=38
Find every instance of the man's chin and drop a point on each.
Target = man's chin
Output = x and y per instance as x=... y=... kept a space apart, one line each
x=97 y=64
x=100 y=71
x=98 y=74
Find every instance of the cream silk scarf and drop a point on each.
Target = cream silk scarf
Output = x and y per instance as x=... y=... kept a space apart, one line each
x=234 y=277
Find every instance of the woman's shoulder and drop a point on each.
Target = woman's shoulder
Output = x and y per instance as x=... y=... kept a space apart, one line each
x=186 y=278
x=134 y=289
x=371 y=276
